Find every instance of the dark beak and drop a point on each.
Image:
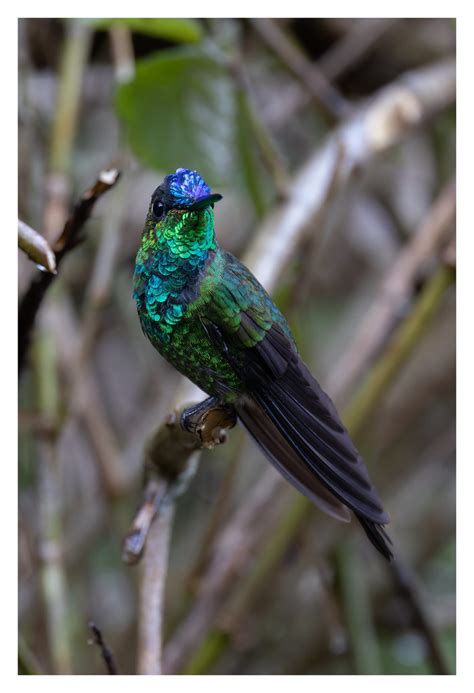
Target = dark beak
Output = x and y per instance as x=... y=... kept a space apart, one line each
x=205 y=201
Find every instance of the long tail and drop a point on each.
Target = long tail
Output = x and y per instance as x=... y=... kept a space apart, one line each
x=291 y=460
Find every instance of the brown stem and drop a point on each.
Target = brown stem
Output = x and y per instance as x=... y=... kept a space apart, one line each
x=105 y=651
x=327 y=96
x=52 y=573
x=152 y=589
x=71 y=72
x=69 y=238
x=405 y=583
x=395 y=292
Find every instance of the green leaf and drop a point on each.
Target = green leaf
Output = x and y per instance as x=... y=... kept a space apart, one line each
x=180 y=111
x=179 y=30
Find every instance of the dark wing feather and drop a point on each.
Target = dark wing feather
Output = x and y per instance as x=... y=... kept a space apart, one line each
x=287 y=461
x=287 y=412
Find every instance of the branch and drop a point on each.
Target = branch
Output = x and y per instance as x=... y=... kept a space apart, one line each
x=27 y=661
x=98 y=290
x=329 y=99
x=358 y=614
x=151 y=592
x=394 y=293
x=36 y=247
x=105 y=651
x=343 y=55
x=84 y=400
x=397 y=351
x=391 y=115
x=52 y=574
x=405 y=583
x=71 y=71
x=354 y=45
x=69 y=238
x=169 y=460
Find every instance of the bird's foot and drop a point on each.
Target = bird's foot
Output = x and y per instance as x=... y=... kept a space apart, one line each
x=209 y=420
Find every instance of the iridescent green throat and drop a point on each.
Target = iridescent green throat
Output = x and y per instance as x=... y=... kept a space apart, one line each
x=171 y=257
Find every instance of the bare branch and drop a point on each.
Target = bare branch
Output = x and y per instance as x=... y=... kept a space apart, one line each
x=68 y=240
x=105 y=651
x=52 y=573
x=405 y=583
x=327 y=96
x=390 y=115
x=170 y=458
x=152 y=589
x=353 y=46
x=394 y=293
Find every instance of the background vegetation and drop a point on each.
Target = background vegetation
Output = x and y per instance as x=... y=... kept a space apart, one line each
x=347 y=127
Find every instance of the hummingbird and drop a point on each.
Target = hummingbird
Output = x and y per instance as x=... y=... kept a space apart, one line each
x=207 y=314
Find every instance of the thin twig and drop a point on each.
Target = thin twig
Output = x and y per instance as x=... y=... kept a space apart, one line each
x=36 y=247
x=397 y=351
x=105 y=651
x=358 y=612
x=354 y=45
x=69 y=239
x=271 y=157
x=405 y=583
x=27 y=661
x=343 y=55
x=53 y=577
x=152 y=589
x=394 y=293
x=213 y=526
x=84 y=401
x=73 y=61
x=98 y=290
x=327 y=96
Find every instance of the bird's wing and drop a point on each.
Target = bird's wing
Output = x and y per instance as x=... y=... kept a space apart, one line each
x=312 y=449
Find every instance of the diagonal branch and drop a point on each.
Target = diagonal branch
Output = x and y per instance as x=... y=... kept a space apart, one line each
x=395 y=292
x=105 y=651
x=69 y=239
x=322 y=91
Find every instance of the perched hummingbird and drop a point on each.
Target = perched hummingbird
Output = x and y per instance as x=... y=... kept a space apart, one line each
x=207 y=314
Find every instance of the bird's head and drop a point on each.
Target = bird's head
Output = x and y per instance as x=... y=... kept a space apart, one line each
x=183 y=199
x=180 y=215
x=184 y=190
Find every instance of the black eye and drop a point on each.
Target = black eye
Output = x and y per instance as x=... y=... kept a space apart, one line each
x=158 y=209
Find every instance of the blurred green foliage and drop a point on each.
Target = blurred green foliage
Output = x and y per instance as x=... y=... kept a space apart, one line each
x=183 y=109
x=179 y=30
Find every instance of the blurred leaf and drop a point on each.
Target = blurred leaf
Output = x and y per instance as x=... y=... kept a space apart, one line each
x=180 y=30
x=182 y=110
